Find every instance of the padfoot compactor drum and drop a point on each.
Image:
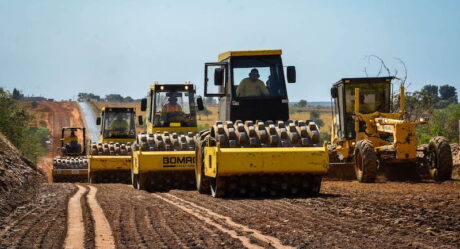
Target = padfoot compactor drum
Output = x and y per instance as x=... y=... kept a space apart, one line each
x=110 y=157
x=258 y=150
x=72 y=164
x=164 y=155
x=367 y=138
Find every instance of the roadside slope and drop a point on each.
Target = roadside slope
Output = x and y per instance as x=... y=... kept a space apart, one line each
x=19 y=178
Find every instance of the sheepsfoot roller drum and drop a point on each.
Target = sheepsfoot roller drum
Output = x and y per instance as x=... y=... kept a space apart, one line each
x=110 y=157
x=261 y=159
x=71 y=165
x=162 y=161
x=70 y=169
x=110 y=163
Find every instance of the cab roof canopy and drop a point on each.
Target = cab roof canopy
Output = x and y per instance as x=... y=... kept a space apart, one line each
x=117 y=109
x=365 y=80
x=228 y=54
x=172 y=87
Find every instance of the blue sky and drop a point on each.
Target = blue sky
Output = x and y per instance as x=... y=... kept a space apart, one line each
x=59 y=48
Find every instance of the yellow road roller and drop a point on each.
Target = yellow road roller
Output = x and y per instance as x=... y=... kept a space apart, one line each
x=256 y=150
x=163 y=155
x=72 y=164
x=110 y=157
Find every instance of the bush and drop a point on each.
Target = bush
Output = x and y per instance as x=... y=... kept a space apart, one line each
x=15 y=125
x=443 y=122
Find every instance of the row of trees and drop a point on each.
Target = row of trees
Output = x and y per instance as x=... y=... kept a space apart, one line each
x=109 y=97
x=17 y=125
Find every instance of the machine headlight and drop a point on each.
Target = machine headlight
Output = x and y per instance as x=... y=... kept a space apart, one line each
x=186 y=87
x=162 y=87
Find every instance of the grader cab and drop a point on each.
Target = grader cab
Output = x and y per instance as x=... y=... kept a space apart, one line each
x=255 y=149
x=368 y=136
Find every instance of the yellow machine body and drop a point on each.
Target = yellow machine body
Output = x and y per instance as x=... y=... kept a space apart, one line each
x=109 y=164
x=253 y=161
x=157 y=161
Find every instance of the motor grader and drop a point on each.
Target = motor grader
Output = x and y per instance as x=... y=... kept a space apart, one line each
x=71 y=165
x=255 y=150
x=369 y=137
x=163 y=156
x=110 y=157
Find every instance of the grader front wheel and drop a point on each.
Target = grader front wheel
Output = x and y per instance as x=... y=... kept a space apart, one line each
x=365 y=161
x=440 y=159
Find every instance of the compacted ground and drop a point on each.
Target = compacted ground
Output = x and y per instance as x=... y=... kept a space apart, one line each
x=345 y=215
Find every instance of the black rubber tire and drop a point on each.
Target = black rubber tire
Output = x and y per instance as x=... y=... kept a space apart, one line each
x=365 y=161
x=202 y=182
x=440 y=164
x=92 y=178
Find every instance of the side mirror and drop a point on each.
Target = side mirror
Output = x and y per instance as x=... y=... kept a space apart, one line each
x=291 y=76
x=199 y=103
x=218 y=76
x=143 y=105
x=334 y=92
x=98 y=121
x=140 y=120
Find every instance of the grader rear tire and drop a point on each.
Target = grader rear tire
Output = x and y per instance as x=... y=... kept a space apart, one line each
x=365 y=161
x=440 y=159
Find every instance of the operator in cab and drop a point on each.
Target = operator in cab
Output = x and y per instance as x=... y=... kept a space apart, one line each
x=252 y=86
x=171 y=106
x=119 y=126
x=71 y=143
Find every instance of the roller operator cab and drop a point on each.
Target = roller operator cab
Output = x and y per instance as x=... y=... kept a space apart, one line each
x=71 y=165
x=110 y=157
x=368 y=137
x=163 y=155
x=255 y=149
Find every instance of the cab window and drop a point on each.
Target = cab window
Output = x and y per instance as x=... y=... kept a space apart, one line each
x=258 y=77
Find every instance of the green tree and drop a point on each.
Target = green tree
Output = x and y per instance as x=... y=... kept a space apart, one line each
x=302 y=103
x=315 y=116
x=432 y=89
x=448 y=92
x=17 y=94
x=443 y=122
x=15 y=125
x=114 y=98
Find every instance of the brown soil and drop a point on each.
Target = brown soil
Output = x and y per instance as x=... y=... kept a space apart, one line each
x=56 y=115
x=346 y=214
x=18 y=178
x=40 y=223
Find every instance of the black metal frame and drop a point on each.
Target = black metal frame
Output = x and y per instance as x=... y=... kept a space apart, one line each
x=83 y=129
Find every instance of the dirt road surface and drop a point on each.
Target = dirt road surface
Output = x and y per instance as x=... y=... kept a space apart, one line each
x=345 y=215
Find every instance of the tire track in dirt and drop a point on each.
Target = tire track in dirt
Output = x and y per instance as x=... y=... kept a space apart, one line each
x=237 y=231
x=75 y=226
x=103 y=232
x=421 y=215
x=155 y=219
x=40 y=223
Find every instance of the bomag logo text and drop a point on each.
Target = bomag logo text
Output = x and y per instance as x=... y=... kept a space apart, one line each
x=183 y=161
